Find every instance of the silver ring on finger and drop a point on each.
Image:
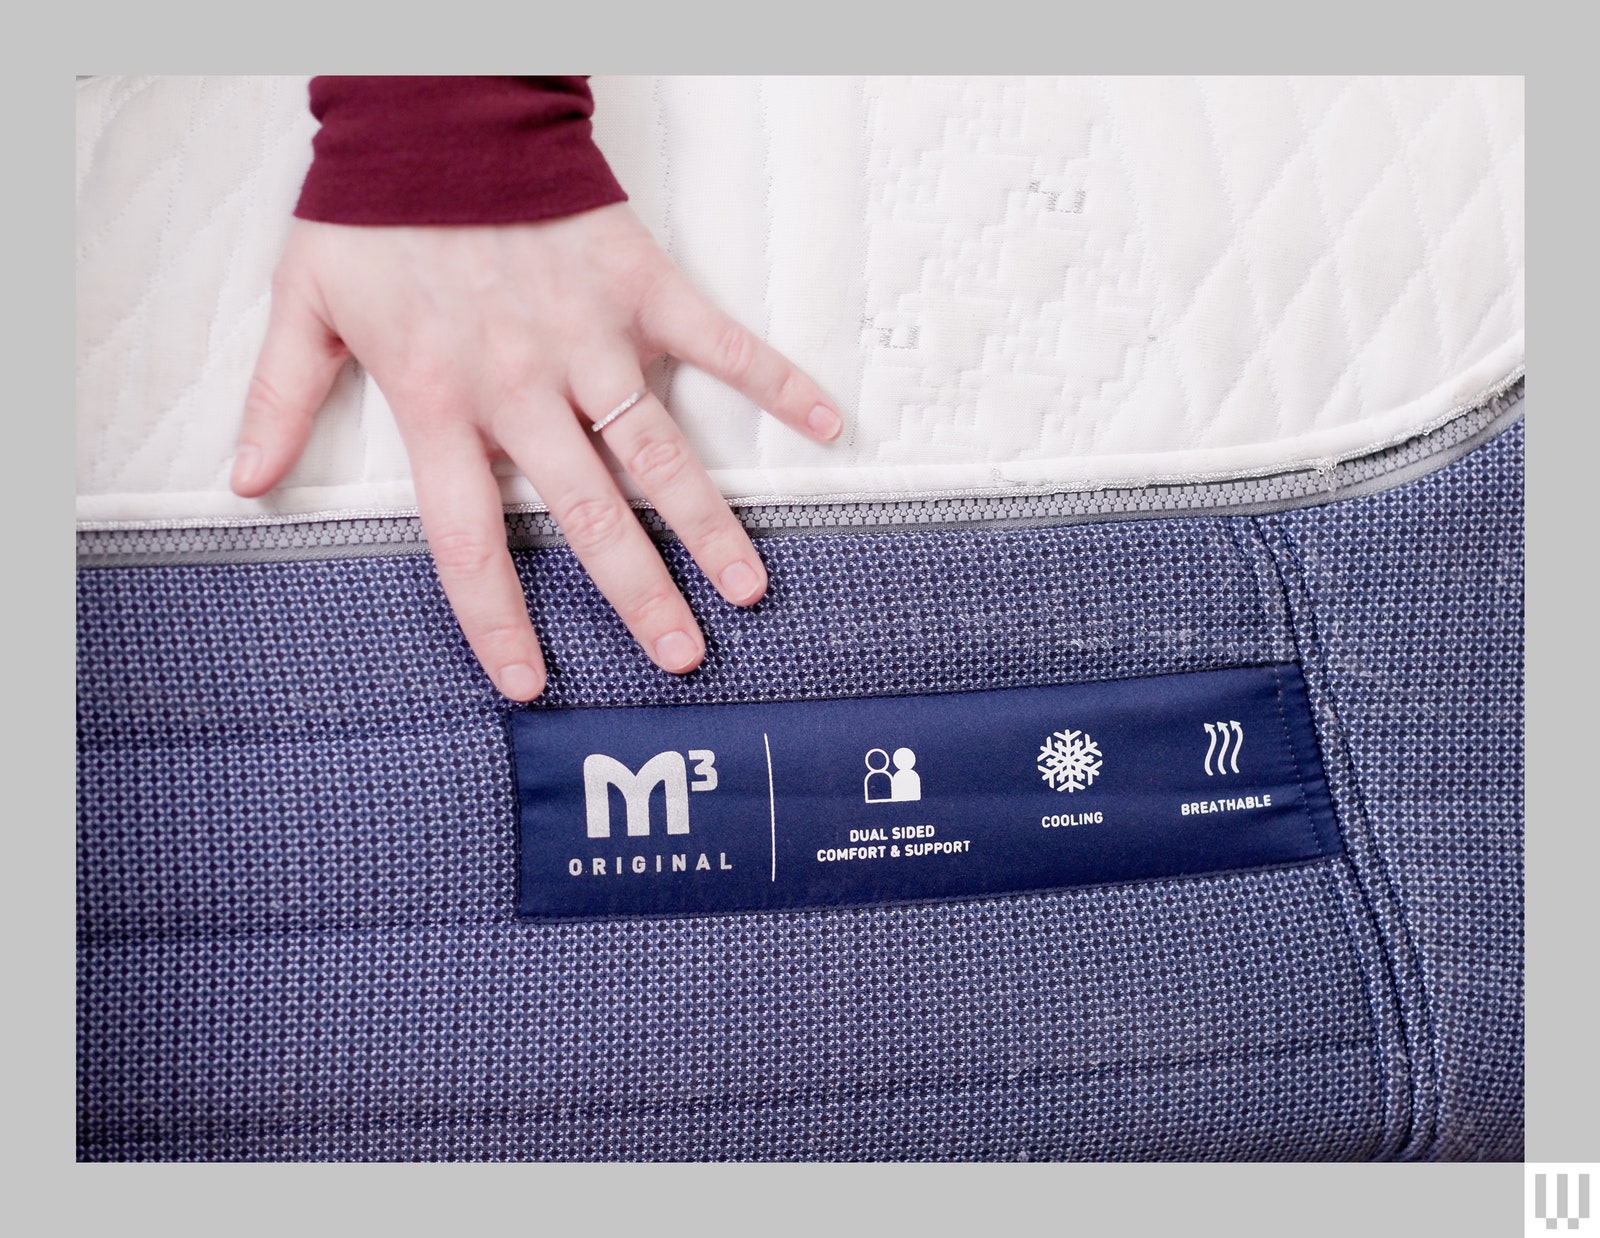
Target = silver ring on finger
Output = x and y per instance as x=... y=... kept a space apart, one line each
x=619 y=410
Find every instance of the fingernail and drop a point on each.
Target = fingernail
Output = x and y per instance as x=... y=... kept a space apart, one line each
x=824 y=421
x=246 y=462
x=519 y=681
x=676 y=652
x=740 y=584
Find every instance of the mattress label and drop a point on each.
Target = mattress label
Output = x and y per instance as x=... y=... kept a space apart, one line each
x=708 y=809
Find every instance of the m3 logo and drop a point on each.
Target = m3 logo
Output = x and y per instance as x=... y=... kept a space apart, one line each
x=665 y=769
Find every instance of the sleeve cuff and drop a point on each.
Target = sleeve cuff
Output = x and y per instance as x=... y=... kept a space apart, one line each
x=453 y=150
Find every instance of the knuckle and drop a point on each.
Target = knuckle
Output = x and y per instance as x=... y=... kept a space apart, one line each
x=658 y=460
x=656 y=297
x=644 y=284
x=295 y=297
x=733 y=351
x=287 y=283
x=716 y=538
x=264 y=404
x=429 y=409
x=652 y=609
x=591 y=524
x=793 y=391
x=462 y=553
x=425 y=383
x=513 y=360
x=499 y=635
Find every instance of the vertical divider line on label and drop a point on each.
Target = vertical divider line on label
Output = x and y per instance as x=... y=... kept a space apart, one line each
x=772 y=806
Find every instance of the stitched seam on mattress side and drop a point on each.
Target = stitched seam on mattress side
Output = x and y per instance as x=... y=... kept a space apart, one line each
x=1375 y=882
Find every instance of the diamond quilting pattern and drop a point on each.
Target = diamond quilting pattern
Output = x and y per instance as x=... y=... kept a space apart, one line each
x=1005 y=282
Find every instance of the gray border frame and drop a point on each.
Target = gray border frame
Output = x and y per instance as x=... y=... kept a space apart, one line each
x=1140 y=1199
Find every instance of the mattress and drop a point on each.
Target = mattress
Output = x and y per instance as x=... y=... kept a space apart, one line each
x=1145 y=381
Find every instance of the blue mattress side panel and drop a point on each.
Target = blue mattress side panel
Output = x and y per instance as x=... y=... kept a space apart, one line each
x=297 y=866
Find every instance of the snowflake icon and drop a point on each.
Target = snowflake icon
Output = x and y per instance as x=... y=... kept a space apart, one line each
x=1069 y=760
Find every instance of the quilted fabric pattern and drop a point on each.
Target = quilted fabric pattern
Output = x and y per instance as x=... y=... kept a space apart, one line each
x=1009 y=284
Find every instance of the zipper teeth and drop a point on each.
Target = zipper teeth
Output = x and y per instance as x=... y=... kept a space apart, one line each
x=356 y=534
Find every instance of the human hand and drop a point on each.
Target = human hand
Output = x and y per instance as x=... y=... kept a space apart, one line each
x=511 y=340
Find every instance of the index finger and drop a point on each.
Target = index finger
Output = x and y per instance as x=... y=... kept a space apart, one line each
x=682 y=322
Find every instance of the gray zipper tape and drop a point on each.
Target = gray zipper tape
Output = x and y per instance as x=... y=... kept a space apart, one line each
x=370 y=535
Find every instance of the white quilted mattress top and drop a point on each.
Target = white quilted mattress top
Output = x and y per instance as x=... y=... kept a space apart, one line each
x=1009 y=285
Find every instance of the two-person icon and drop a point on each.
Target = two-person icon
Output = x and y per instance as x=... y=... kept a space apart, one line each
x=882 y=787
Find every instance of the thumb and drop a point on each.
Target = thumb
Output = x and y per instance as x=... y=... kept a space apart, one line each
x=299 y=359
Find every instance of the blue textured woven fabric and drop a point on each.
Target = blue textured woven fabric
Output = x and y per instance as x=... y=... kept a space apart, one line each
x=297 y=931
x=1413 y=623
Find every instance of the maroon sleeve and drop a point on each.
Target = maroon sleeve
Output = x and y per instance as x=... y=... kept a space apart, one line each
x=453 y=150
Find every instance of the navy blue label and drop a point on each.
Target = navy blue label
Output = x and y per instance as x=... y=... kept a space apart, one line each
x=724 y=808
